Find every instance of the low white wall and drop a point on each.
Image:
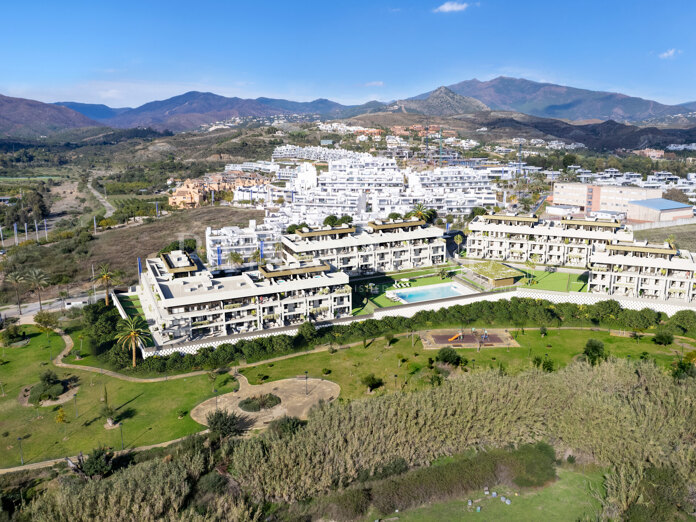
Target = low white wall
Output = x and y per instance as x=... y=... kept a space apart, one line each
x=664 y=224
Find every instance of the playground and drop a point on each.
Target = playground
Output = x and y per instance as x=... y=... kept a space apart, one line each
x=468 y=338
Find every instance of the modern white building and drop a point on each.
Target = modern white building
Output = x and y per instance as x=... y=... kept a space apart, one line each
x=639 y=269
x=569 y=242
x=220 y=243
x=381 y=246
x=184 y=302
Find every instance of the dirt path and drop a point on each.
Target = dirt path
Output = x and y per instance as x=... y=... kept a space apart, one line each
x=110 y=209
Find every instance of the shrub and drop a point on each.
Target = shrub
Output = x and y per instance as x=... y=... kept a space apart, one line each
x=543 y=331
x=536 y=361
x=547 y=365
x=213 y=483
x=570 y=459
x=663 y=337
x=350 y=504
x=98 y=464
x=372 y=382
x=594 y=351
x=48 y=388
x=534 y=465
x=260 y=402
x=448 y=356
x=325 y=371
x=285 y=426
x=224 y=424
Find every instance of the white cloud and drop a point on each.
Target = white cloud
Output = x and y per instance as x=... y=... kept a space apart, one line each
x=669 y=54
x=374 y=84
x=451 y=7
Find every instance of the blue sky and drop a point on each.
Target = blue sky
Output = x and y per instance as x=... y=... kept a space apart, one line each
x=127 y=53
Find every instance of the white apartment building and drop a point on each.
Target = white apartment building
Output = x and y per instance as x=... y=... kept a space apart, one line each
x=220 y=243
x=381 y=246
x=316 y=153
x=639 y=269
x=183 y=302
x=517 y=239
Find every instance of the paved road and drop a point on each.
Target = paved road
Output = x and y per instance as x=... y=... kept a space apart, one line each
x=110 y=209
x=53 y=305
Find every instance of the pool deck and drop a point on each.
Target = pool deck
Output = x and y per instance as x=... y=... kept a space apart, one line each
x=395 y=295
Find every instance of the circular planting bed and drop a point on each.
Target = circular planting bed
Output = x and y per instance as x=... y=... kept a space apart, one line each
x=259 y=402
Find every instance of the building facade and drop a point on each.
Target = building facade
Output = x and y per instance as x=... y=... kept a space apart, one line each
x=600 y=197
x=184 y=302
x=377 y=248
x=517 y=239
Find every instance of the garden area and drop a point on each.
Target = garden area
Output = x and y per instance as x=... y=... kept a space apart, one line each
x=554 y=281
x=395 y=365
x=149 y=411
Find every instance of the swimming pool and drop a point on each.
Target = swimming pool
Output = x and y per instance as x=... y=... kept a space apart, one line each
x=428 y=293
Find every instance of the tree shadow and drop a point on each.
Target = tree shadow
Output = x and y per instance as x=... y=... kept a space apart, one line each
x=128 y=413
x=128 y=401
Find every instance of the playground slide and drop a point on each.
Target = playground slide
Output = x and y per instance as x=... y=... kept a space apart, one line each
x=455 y=338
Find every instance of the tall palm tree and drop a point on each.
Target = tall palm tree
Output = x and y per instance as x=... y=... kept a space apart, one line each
x=105 y=278
x=132 y=333
x=278 y=249
x=16 y=279
x=236 y=258
x=38 y=280
x=420 y=211
x=458 y=241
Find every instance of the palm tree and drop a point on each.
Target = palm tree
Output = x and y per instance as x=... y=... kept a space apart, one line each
x=105 y=278
x=16 y=279
x=38 y=280
x=458 y=241
x=236 y=258
x=420 y=211
x=278 y=249
x=132 y=333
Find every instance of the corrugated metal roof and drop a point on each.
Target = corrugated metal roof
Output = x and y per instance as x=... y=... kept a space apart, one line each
x=659 y=204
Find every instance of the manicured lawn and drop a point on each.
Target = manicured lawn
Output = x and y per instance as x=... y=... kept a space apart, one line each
x=562 y=346
x=556 y=281
x=132 y=307
x=148 y=411
x=568 y=498
x=350 y=365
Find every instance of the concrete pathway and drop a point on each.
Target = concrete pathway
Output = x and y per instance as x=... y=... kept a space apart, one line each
x=297 y=396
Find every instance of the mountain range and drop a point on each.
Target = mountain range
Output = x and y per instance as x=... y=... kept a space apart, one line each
x=491 y=99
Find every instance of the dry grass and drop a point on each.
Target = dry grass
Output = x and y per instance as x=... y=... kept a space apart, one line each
x=685 y=236
x=120 y=248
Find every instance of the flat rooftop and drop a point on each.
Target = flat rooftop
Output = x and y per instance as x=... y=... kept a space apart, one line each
x=660 y=204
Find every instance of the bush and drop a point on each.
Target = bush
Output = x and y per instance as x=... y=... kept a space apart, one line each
x=285 y=426
x=260 y=402
x=594 y=351
x=350 y=504
x=213 y=483
x=372 y=382
x=663 y=337
x=448 y=356
x=48 y=388
x=98 y=464
x=570 y=459
x=547 y=365
x=224 y=424
x=325 y=371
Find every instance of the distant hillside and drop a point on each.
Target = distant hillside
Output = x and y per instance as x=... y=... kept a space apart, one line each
x=192 y=109
x=30 y=118
x=690 y=106
x=95 y=111
x=442 y=102
x=557 y=101
x=605 y=136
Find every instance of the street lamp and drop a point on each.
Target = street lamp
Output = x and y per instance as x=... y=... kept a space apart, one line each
x=75 y=402
x=120 y=426
x=473 y=363
x=21 y=455
x=306 y=390
x=395 y=381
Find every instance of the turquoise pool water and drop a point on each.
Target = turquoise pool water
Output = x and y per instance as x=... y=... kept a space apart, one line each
x=428 y=293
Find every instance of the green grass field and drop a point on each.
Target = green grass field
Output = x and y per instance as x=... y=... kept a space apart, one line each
x=148 y=411
x=555 y=281
x=684 y=236
x=568 y=498
x=349 y=366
